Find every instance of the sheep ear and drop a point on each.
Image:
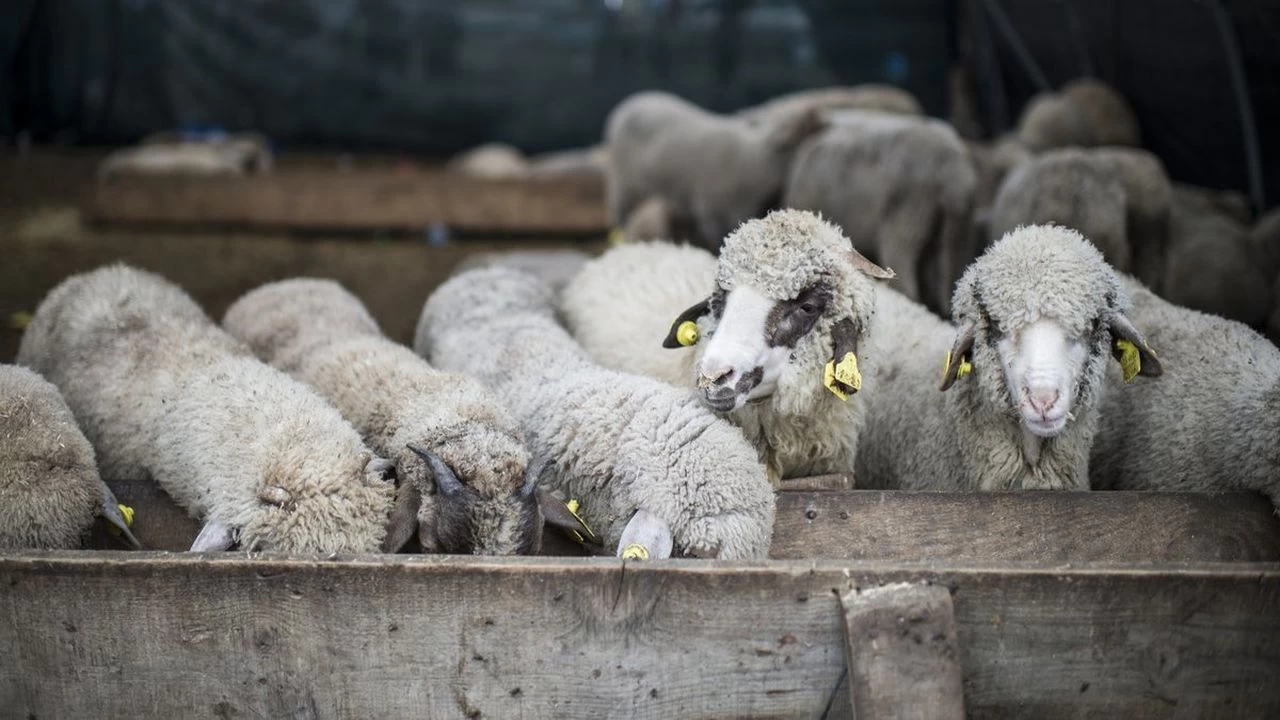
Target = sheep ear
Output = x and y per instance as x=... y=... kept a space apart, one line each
x=404 y=518
x=382 y=467
x=646 y=537
x=867 y=267
x=1132 y=351
x=446 y=482
x=684 y=331
x=214 y=537
x=557 y=513
x=958 y=358
x=531 y=474
x=112 y=513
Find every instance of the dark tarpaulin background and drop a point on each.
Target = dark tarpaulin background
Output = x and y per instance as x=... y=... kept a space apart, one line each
x=435 y=76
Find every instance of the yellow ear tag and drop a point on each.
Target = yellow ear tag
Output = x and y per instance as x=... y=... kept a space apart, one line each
x=845 y=372
x=687 y=333
x=572 y=506
x=635 y=551
x=965 y=368
x=1130 y=360
x=615 y=236
x=127 y=513
x=20 y=320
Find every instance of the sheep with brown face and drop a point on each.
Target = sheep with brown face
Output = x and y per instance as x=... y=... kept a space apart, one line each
x=466 y=479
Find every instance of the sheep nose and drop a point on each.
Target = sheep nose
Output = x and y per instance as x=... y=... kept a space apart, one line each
x=708 y=377
x=1041 y=399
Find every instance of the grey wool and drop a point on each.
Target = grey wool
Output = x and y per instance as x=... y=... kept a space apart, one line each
x=50 y=491
x=1085 y=113
x=1216 y=265
x=713 y=171
x=869 y=96
x=902 y=188
x=555 y=267
x=1210 y=425
x=970 y=436
x=1119 y=198
x=396 y=400
x=619 y=443
x=163 y=393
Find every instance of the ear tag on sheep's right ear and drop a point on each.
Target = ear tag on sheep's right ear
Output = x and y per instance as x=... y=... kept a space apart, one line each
x=845 y=373
x=965 y=368
x=1130 y=359
x=572 y=506
x=615 y=237
x=687 y=333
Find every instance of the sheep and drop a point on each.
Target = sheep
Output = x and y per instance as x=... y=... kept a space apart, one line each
x=777 y=332
x=650 y=464
x=1119 y=198
x=162 y=392
x=491 y=160
x=466 y=479
x=50 y=490
x=1214 y=265
x=590 y=161
x=1232 y=203
x=870 y=96
x=714 y=171
x=173 y=154
x=630 y=293
x=1210 y=425
x=1036 y=317
x=555 y=267
x=902 y=188
x=1085 y=113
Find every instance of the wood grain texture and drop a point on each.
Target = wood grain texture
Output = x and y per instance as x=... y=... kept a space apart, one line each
x=902 y=653
x=157 y=635
x=1026 y=526
x=355 y=200
x=817 y=483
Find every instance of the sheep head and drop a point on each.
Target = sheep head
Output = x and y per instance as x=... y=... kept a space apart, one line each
x=1038 y=314
x=791 y=299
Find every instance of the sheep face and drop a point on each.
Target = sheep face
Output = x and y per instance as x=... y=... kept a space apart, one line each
x=1043 y=365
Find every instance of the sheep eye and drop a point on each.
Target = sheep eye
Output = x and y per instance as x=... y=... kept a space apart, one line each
x=809 y=308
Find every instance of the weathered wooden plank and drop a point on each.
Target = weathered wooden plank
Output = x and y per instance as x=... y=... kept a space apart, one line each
x=817 y=483
x=902 y=654
x=356 y=200
x=156 y=635
x=1026 y=526
x=907 y=527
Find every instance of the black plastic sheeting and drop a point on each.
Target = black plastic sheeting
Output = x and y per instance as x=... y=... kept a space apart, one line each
x=436 y=76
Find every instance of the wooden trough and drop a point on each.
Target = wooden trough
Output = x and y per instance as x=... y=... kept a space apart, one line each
x=1045 y=605
x=354 y=201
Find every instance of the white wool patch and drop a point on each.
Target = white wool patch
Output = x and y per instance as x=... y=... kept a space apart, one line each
x=1042 y=365
x=738 y=347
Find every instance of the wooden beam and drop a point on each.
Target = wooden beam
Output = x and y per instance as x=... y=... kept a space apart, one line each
x=113 y=634
x=902 y=654
x=913 y=527
x=817 y=483
x=355 y=200
x=1026 y=526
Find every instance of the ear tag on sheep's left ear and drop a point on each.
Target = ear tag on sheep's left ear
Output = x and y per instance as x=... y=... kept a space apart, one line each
x=615 y=237
x=572 y=506
x=687 y=333
x=965 y=368
x=845 y=373
x=1130 y=359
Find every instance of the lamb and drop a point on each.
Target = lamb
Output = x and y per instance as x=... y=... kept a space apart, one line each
x=1119 y=198
x=869 y=96
x=647 y=460
x=172 y=154
x=902 y=188
x=162 y=392
x=778 y=332
x=555 y=267
x=713 y=171
x=1214 y=265
x=1036 y=317
x=466 y=479
x=1210 y=425
x=590 y=161
x=491 y=160
x=1085 y=113
x=50 y=491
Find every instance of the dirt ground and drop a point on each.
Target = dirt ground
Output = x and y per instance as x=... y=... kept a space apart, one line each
x=42 y=241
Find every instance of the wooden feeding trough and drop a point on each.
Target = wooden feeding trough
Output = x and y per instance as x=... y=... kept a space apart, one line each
x=354 y=201
x=1045 y=605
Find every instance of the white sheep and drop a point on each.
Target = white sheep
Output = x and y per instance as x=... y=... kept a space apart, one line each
x=1210 y=425
x=466 y=480
x=173 y=154
x=646 y=459
x=162 y=392
x=778 y=330
x=1086 y=113
x=1037 y=316
x=492 y=161
x=869 y=96
x=50 y=490
x=555 y=267
x=902 y=188
x=713 y=171
x=589 y=161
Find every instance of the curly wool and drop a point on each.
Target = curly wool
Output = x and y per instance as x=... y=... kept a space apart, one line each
x=392 y=396
x=618 y=442
x=49 y=484
x=162 y=392
x=1209 y=425
x=970 y=437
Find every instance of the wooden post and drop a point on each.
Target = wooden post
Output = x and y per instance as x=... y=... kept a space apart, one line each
x=902 y=654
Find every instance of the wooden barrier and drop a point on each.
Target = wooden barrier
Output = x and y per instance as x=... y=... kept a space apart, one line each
x=358 y=200
x=114 y=634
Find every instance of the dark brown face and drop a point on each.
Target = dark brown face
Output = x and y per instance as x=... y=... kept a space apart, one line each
x=469 y=522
